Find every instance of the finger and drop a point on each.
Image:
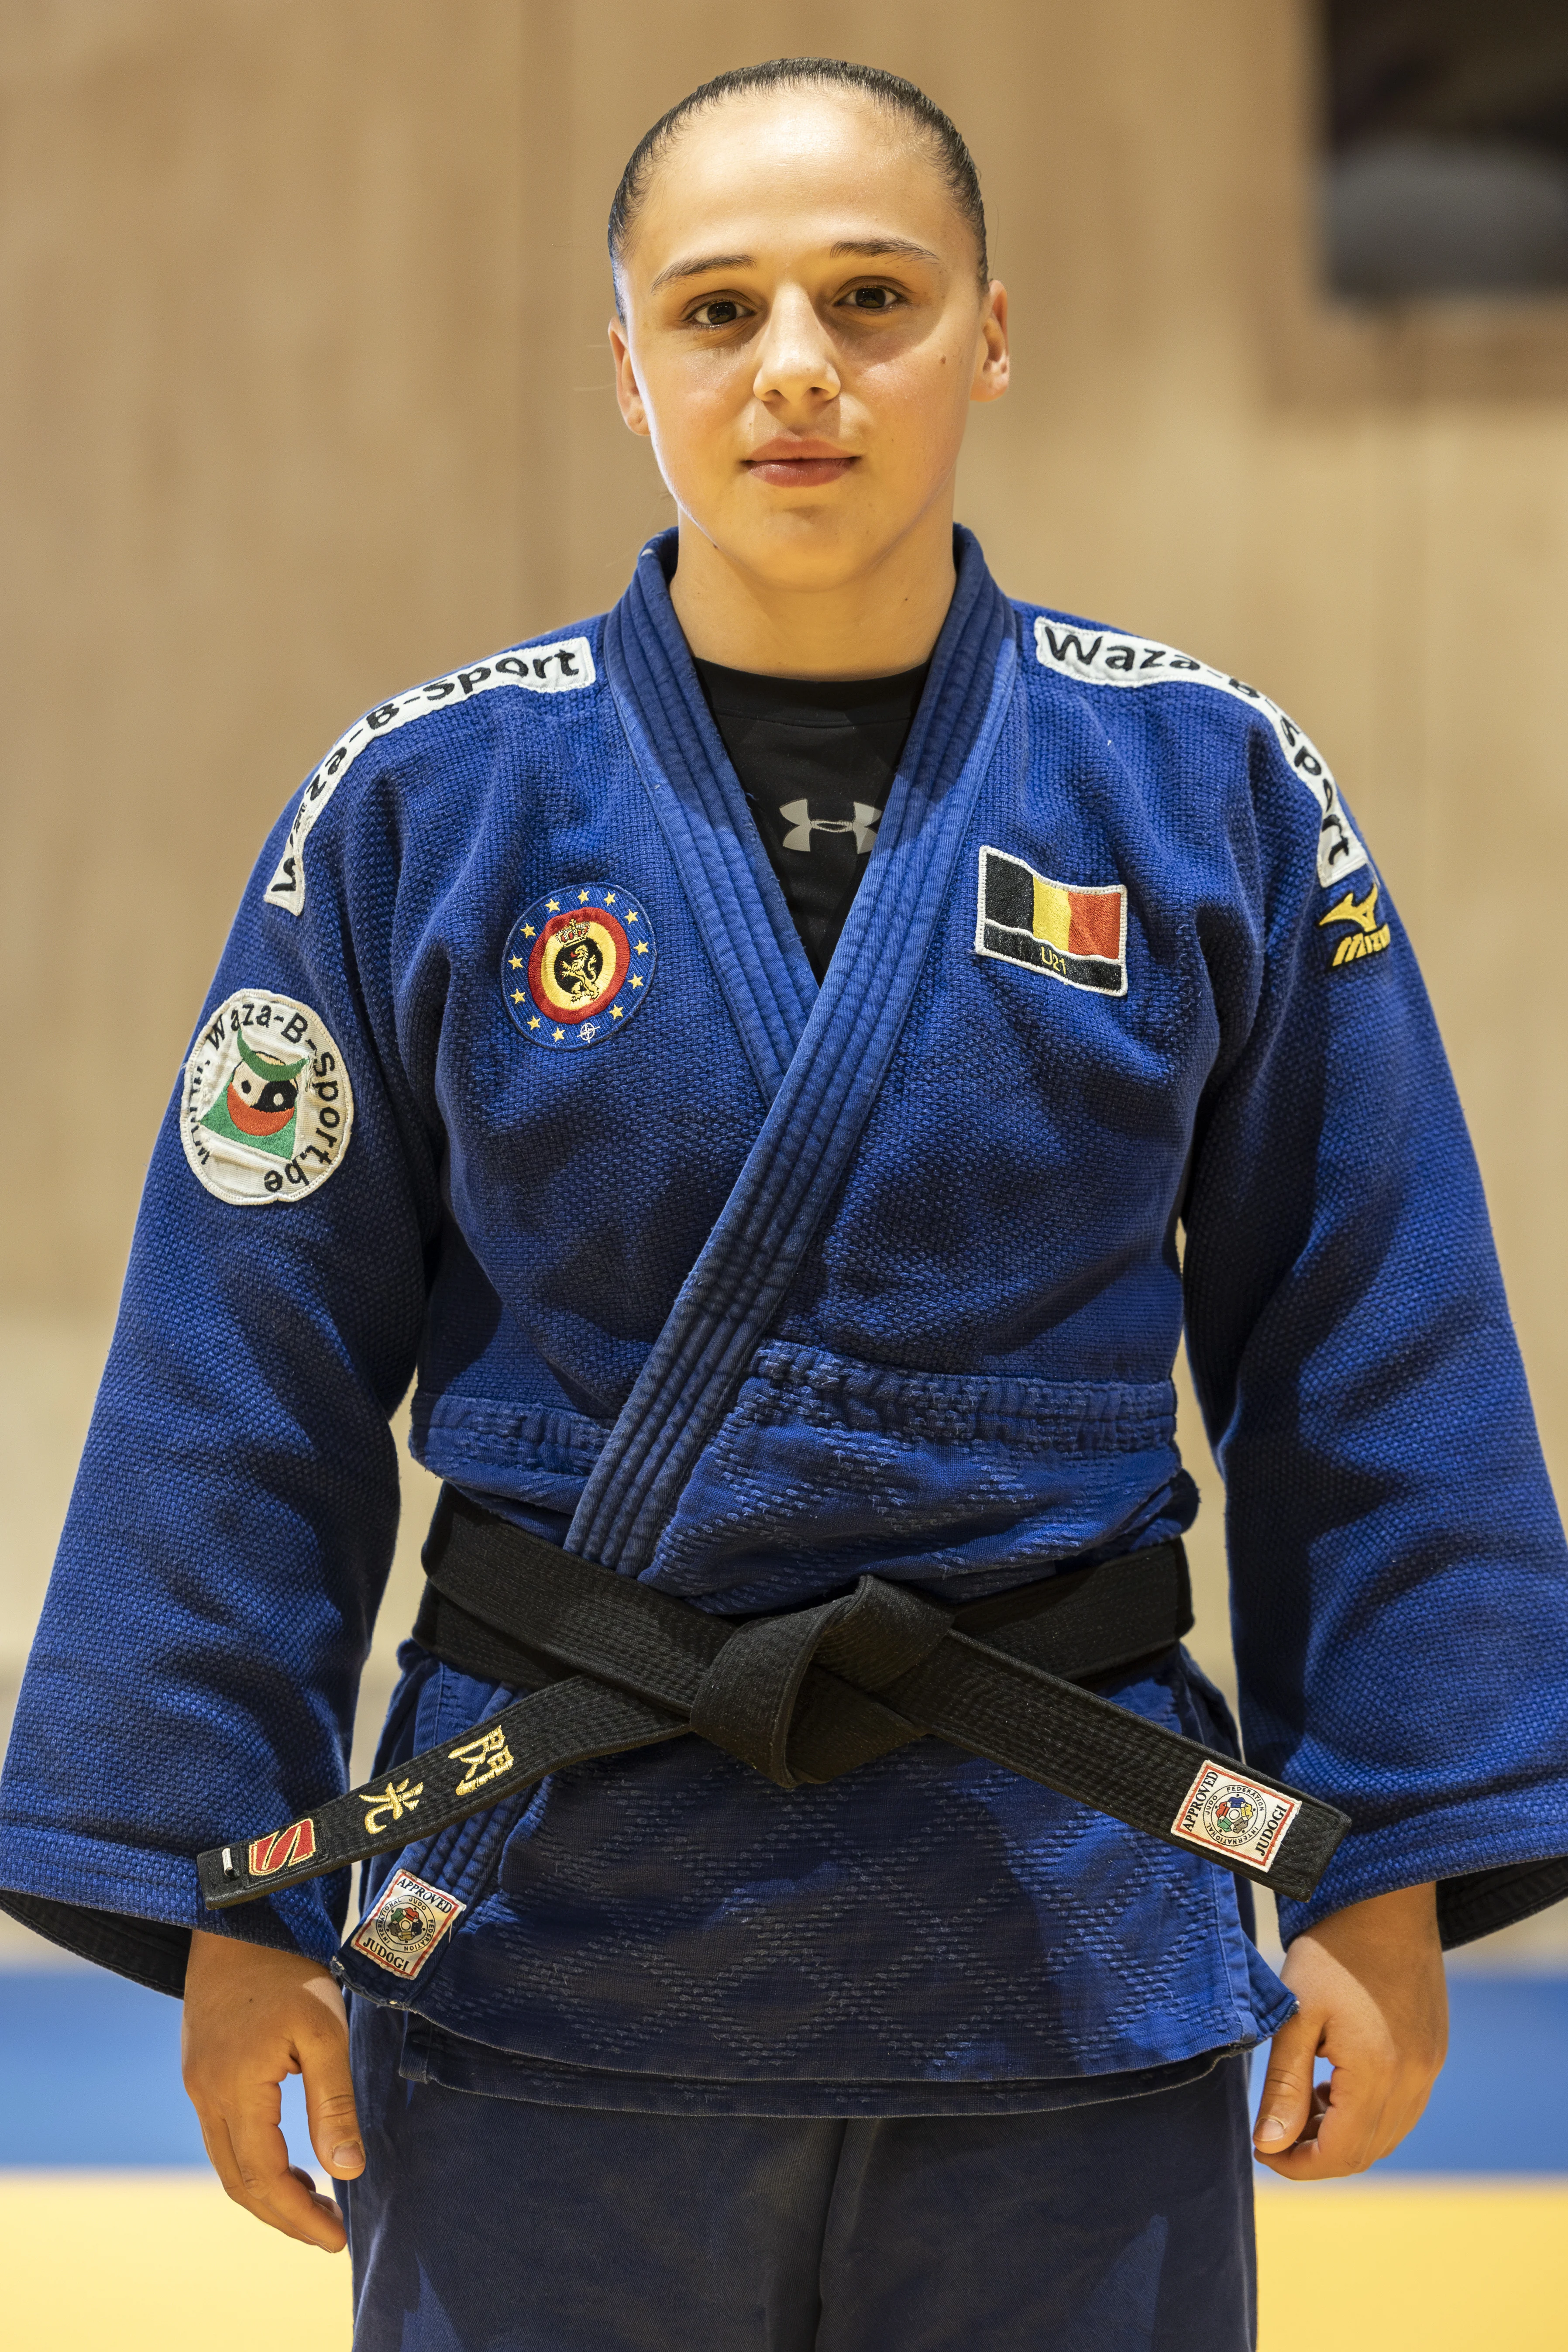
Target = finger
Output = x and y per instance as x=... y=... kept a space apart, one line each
x=330 y=2105
x=1287 y=2100
x=219 y=2146
x=220 y=2153
x=1302 y=2160
x=1317 y=2109
x=272 y=2189
x=1343 y=2153
x=1358 y=2097
x=205 y=2097
x=1345 y=2140
x=329 y=2205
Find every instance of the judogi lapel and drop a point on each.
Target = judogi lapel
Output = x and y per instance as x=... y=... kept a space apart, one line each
x=820 y=1064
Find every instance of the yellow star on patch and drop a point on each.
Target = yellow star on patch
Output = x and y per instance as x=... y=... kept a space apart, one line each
x=534 y=1023
x=615 y=1012
x=528 y=930
x=609 y=898
x=517 y=963
x=631 y=914
x=636 y=980
x=582 y=895
x=517 y=996
x=559 y=1034
x=642 y=947
x=554 y=905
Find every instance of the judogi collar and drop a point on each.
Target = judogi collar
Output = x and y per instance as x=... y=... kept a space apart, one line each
x=819 y=1056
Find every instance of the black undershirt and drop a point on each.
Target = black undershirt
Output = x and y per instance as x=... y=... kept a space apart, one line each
x=815 y=758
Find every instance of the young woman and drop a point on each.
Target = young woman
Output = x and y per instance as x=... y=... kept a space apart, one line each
x=750 y=1054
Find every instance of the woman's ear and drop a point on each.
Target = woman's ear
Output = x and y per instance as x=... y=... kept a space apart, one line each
x=992 y=365
x=628 y=391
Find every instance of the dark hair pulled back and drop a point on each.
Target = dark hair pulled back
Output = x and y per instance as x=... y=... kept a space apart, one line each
x=885 y=89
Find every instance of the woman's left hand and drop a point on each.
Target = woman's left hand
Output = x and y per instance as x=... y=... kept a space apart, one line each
x=1374 y=2002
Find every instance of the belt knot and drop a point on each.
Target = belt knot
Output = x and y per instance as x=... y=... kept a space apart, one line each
x=748 y=1702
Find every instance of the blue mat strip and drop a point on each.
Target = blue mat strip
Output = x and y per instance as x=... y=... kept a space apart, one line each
x=90 y=2075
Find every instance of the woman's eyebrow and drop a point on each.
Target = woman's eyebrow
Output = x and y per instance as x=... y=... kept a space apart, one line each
x=870 y=247
x=697 y=269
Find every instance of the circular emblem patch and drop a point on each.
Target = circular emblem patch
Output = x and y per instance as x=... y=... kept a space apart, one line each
x=407 y=1924
x=266 y=1107
x=577 y=965
x=1231 y=1816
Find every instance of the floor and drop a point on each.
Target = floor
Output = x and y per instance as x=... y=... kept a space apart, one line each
x=1437 y=2267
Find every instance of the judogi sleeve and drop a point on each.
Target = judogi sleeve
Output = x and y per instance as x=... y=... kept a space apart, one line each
x=195 y=1668
x=1399 y=1579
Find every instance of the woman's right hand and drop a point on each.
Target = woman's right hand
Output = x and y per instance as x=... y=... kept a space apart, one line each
x=252 y=2015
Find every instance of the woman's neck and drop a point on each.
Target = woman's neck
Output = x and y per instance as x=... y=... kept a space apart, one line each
x=881 y=620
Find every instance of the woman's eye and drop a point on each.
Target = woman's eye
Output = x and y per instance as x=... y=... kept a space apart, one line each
x=722 y=311
x=872 y=298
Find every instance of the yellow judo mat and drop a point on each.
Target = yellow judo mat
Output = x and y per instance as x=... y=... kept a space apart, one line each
x=150 y=2261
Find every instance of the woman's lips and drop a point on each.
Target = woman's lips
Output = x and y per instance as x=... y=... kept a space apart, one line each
x=808 y=471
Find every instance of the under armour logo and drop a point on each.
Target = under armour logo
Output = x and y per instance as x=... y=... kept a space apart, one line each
x=802 y=825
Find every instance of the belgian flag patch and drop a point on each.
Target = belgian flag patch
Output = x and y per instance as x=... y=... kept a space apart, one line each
x=1076 y=931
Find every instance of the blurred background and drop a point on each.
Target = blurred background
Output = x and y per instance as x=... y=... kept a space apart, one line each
x=304 y=394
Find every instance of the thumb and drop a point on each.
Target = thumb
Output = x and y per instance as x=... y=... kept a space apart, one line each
x=1287 y=2101
x=329 y=2106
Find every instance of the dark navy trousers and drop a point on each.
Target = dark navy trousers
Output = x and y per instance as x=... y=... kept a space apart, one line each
x=494 y=2225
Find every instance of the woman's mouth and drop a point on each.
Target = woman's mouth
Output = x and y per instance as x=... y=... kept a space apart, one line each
x=789 y=465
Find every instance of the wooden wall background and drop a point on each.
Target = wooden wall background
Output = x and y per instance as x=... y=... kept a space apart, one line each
x=304 y=395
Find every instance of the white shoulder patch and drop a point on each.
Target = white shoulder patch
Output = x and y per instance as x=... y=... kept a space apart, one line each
x=561 y=669
x=266 y=1107
x=1096 y=657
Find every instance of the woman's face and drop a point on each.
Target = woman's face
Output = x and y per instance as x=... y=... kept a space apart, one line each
x=805 y=332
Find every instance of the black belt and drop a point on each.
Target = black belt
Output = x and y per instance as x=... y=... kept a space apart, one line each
x=801 y=1697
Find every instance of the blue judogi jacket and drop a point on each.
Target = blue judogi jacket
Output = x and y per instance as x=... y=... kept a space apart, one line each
x=514 y=1079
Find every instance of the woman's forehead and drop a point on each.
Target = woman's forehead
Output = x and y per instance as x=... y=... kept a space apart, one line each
x=803 y=167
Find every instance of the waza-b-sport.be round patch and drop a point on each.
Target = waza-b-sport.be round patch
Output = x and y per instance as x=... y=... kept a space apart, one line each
x=577 y=965
x=266 y=1107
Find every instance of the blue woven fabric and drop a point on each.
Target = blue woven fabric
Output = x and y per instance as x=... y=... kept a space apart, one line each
x=960 y=1378
x=482 y=2226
